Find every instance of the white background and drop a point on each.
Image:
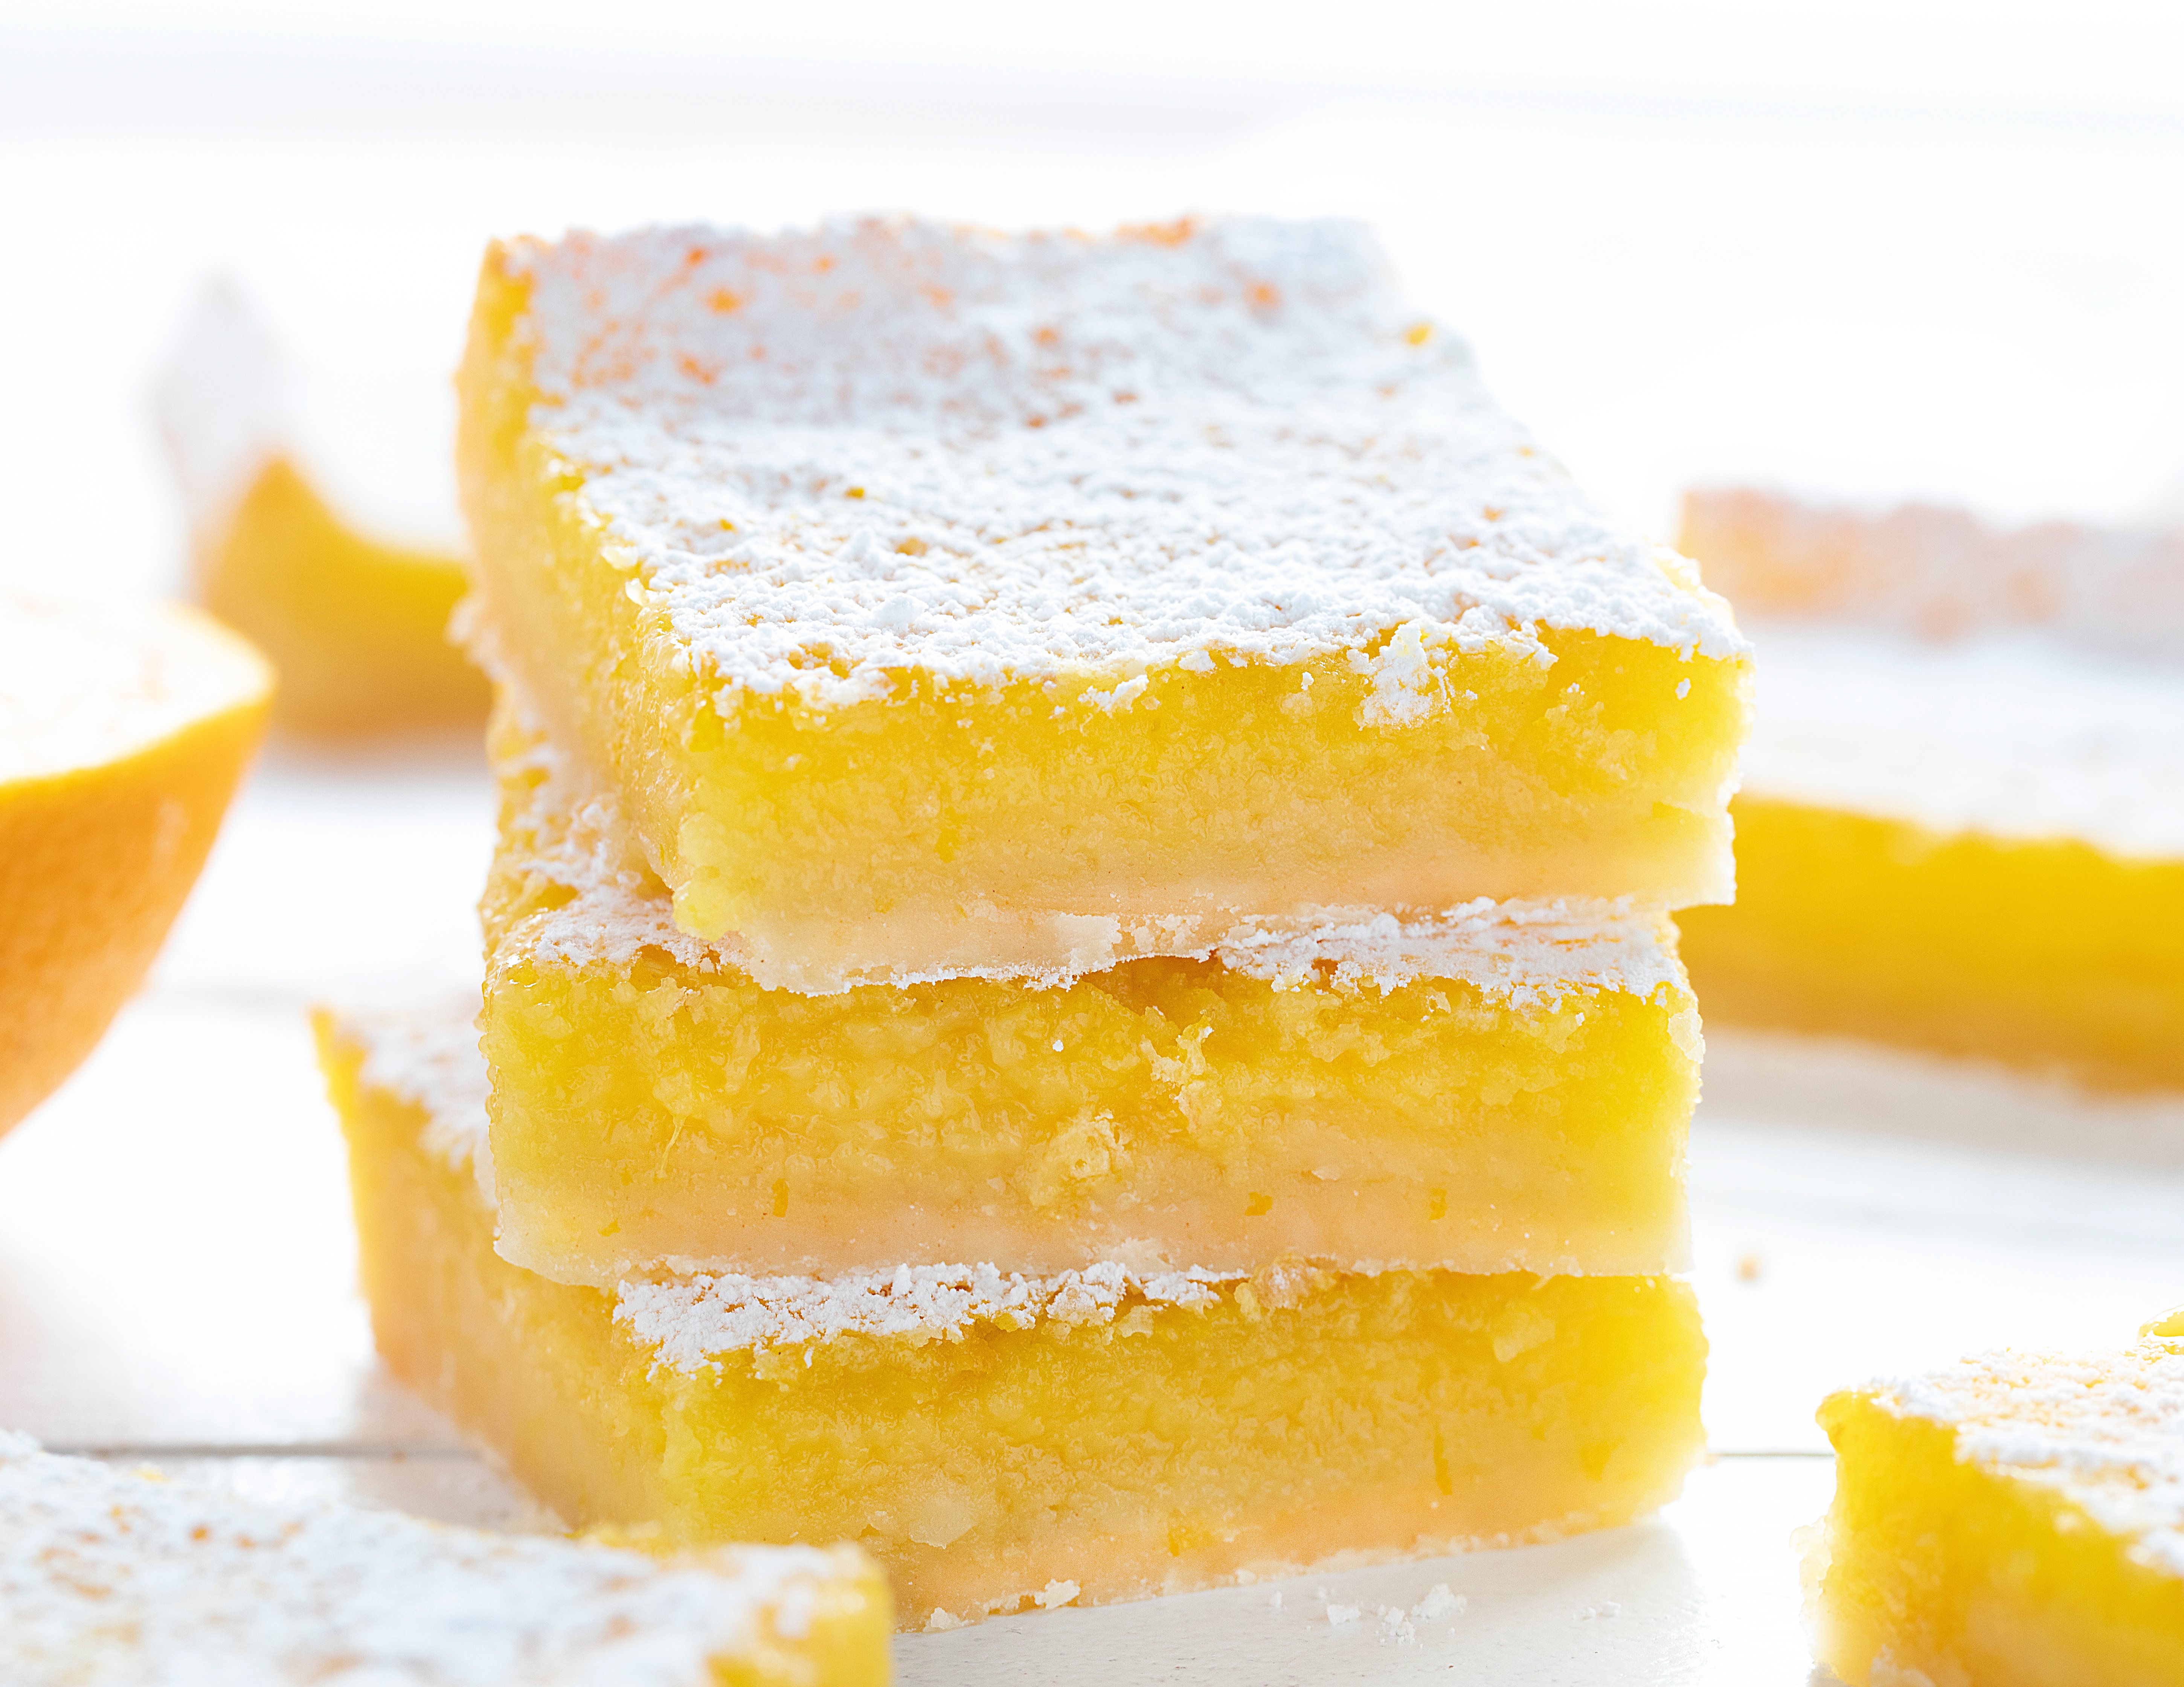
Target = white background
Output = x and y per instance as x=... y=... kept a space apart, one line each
x=1868 y=249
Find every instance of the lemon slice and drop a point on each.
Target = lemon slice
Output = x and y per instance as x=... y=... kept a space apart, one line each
x=123 y=731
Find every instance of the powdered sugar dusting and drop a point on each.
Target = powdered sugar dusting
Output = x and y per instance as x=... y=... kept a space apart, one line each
x=690 y=1321
x=428 y=1057
x=2017 y=736
x=833 y=456
x=108 y=1577
x=2105 y=1432
x=1530 y=953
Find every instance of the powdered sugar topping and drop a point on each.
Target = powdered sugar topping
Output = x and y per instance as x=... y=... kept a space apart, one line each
x=428 y=1057
x=691 y=1321
x=830 y=457
x=109 y=1576
x=2106 y=1432
x=1530 y=953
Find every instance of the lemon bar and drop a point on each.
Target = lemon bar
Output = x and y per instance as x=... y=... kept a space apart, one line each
x=937 y=597
x=1000 y=1440
x=1498 y=1088
x=322 y=525
x=113 y=1576
x=1959 y=833
x=2016 y=1519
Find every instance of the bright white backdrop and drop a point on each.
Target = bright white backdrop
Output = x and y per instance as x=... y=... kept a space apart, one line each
x=1871 y=249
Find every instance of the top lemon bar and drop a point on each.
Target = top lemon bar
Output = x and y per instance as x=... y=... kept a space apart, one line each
x=934 y=600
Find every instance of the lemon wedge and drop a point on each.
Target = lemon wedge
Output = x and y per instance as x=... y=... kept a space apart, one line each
x=123 y=731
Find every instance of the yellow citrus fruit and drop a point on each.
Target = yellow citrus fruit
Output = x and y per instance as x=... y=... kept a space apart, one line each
x=123 y=731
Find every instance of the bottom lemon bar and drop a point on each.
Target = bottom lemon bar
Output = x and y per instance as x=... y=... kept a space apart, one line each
x=996 y=1441
x=110 y=1575
x=2016 y=1519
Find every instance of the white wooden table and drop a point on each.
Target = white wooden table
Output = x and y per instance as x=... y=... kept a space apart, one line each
x=176 y=1266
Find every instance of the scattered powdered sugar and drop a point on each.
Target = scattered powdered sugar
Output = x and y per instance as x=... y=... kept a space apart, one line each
x=109 y=1576
x=691 y=1321
x=1938 y=574
x=2012 y=734
x=2106 y=1432
x=428 y=1057
x=1529 y=953
x=833 y=455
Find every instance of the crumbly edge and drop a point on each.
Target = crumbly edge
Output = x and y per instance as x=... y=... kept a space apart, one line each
x=2103 y=1431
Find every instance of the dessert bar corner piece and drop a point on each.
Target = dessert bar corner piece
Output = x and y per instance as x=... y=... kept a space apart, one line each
x=933 y=597
x=2017 y=1518
x=1500 y=1087
x=112 y=1575
x=1000 y=1440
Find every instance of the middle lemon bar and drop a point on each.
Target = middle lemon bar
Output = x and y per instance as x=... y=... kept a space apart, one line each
x=932 y=597
x=1503 y=1088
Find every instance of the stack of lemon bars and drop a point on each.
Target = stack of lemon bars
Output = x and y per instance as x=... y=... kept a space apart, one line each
x=1078 y=985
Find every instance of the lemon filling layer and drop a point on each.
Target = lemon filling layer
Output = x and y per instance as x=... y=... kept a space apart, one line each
x=1505 y=1087
x=2045 y=954
x=2018 y=1519
x=997 y=1440
x=934 y=599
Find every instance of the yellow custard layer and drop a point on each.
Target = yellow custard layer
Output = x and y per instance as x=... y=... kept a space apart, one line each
x=2052 y=954
x=1000 y=1443
x=1508 y=1091
x=850 y=775
x=2017 y=1523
